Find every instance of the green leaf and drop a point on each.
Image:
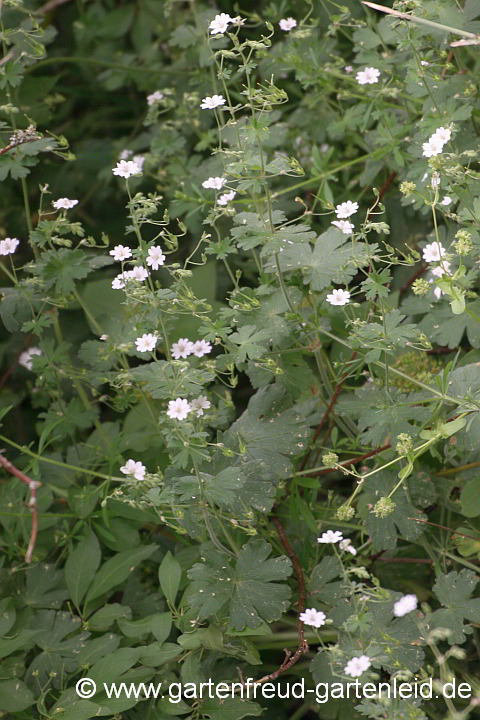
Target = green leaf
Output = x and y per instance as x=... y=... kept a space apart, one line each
x=169 y=574
x=104 y=618
x=116 y=570
x=229 y=709
x=333 y=259
x=385 y=531
x=248 y=589
x=60 y=268
x=81 y=566
x=158 y=625
x=267 y=433
x=454 y=591
x=15 y=696
x=470 y=498
x=247 y=338
x=159 y=653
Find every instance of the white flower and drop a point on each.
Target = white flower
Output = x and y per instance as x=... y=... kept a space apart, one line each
x=8 y=246
x=118 y=283
x=369 y=76
x=432 y=147
x=104 y=337
x=178 y=409
x=134 y=468
x=447 y=200
x=220 y=23
x=64 y=203
x=338 y=297
x=442 y=135
x=287 y=24
x=331 y=536
x=120 y=252
x=200 y=404
x=155 y=97
x=155 y=257
x=441 y=269
x=345 y=209
x=435 y=180
x=313 y=617
x=424 y=63
x=216 y=183
x=25 y=358
x=211 y=102
x=405 y=605
x=125 y=154
x=346 y=545
x=201 y=348
x=182 y=349
x=226 y=197
x=437 y=292
x=126 y=168
x=348 y=68
x=139 y=160
x=146 y=343
x=138 y=273
x=344 y=225
x=357 y=666
x=433 y=252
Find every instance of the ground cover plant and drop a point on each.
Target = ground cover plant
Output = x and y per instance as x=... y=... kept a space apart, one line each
x=240 y=347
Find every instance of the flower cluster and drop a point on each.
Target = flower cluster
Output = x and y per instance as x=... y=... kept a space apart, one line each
x=435 y=143
x=345 y=210
x=185 y=347
x=180 y=408
x=138 y=273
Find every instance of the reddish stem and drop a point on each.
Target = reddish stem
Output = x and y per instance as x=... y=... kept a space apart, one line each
x=32 y=502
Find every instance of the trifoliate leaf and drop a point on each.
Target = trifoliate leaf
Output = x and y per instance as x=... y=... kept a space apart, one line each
x=247 y=590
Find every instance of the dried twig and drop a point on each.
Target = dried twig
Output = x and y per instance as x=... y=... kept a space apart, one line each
x=14 y=145
x=32 y=503
x=430 y=23
x=290 y=659
x=50 y=6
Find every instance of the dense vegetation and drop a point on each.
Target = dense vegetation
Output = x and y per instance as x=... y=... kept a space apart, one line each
x=240 y=346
